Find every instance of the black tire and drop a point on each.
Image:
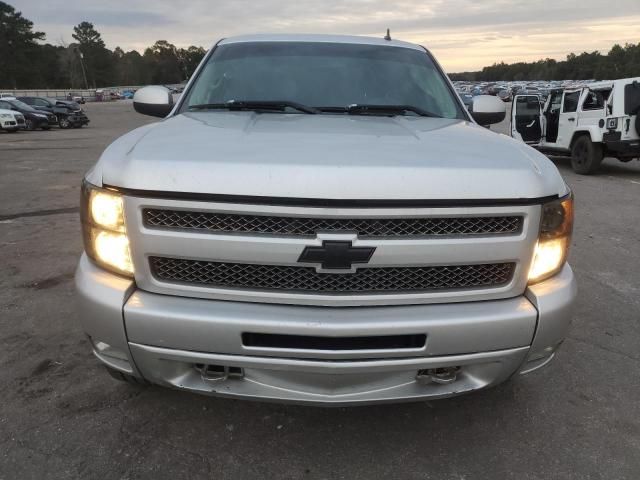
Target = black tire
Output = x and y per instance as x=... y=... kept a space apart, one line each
x=586 y=156
x=123 y=377
x=28 y=124
x=12 y=131
x=63 y=122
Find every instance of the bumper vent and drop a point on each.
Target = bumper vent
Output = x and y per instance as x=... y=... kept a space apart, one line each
x=310 y=226
x=307 y=279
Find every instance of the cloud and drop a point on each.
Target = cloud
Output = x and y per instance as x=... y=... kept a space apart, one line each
x=464 y=34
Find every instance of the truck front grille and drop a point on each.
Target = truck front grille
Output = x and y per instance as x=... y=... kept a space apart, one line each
x=307 y=279
x=309 y=226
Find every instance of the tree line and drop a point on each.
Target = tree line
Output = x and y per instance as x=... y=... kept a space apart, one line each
x=620 y=62
x=27 y=62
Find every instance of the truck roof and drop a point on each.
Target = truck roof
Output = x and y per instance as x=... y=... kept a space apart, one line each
x=352 y=39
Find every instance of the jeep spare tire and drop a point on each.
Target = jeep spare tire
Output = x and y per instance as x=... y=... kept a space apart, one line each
x=586 y=156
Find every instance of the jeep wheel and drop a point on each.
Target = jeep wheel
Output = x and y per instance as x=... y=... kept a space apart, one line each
x=29 y=124
x=586 y=156
x=63 y=122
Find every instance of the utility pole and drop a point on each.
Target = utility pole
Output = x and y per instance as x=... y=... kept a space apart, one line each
x=84 y=74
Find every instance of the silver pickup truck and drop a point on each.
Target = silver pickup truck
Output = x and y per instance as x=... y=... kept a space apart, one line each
x=319 y=219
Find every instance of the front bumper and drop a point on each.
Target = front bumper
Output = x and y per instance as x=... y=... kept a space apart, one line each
x=166 y=340
x=10 y=124
x=78 y=119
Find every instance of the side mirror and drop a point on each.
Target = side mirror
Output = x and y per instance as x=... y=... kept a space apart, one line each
x=487 y=110
x=155 y=101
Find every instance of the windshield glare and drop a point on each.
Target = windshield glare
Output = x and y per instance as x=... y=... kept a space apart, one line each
x=323 y=75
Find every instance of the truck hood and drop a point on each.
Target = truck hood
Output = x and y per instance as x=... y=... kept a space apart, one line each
x=326 y=157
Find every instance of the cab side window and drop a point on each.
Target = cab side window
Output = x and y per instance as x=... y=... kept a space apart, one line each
x=593 y=101
x=570 y=103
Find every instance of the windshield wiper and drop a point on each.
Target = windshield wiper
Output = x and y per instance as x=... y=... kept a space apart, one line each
x=275 y=105
x=365 y=109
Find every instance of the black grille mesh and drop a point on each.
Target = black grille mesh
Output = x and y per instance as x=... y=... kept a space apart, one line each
x=307 y=279
x=309 y=226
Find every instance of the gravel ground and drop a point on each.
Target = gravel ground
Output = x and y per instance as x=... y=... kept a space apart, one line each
x=62 y=417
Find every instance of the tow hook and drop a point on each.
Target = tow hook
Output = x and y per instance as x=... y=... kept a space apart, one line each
x=442 y=376
x=218 y=373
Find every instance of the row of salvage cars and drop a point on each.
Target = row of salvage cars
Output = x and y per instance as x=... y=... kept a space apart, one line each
x=32 y=113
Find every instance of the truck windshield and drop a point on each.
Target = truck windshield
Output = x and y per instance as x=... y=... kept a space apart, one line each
x=324 y=78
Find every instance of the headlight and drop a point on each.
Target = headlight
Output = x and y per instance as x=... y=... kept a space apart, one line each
x=556 y=226
x=104 y=234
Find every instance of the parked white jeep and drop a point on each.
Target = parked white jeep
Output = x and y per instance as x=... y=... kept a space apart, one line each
x=589 y=123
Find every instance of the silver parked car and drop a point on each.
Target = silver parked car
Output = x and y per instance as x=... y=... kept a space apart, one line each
x=319 y=219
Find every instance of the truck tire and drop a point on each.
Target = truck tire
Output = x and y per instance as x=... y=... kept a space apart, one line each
x=586 y=156
x=123 y=377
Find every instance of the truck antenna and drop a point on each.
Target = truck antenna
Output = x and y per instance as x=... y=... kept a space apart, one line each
x=387 y=37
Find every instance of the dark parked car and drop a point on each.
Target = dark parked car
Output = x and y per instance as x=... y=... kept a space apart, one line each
x=69 y=113
x=505 y=95
x=32 y=118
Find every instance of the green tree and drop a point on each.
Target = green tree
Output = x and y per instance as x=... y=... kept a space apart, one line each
x=18 y=44
x=163 y=63
x=98 y=60
x=190 y=58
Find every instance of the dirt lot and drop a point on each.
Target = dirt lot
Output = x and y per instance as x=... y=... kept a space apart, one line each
x=62 y=417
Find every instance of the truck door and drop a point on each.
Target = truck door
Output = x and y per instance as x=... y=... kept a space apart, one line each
x=526 y=119
x=568 y=117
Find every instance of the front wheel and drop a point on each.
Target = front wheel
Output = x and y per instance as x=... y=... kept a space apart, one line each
x=586 y=156
x=29 y=124
x=63 y=122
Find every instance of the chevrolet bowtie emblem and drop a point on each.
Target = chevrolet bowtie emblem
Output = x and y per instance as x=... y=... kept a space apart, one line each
x=336 y=255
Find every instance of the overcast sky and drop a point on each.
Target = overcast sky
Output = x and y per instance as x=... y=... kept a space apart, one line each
x=463 y=34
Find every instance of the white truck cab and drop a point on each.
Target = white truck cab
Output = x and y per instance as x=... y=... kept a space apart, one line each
x=588 y=122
